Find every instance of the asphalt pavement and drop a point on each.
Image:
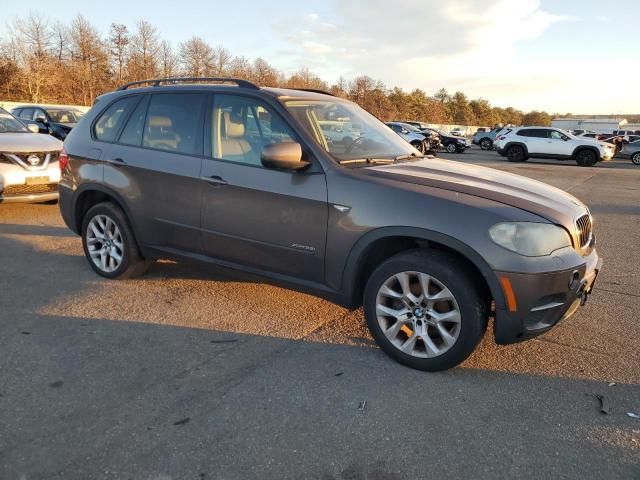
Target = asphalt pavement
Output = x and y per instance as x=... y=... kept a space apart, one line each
x=194 y=373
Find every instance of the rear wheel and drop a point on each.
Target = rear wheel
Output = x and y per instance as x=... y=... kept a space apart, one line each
x=515 y=153
x=586 y=158
x=486 y=144
x=109 y=244
x=424 y=309
x=635 y=158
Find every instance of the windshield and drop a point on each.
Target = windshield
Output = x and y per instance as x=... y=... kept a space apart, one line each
x=346 y=131
x=8 y=124
x=65 y=116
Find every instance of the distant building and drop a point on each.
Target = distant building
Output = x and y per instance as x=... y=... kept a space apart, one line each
x=599 y=125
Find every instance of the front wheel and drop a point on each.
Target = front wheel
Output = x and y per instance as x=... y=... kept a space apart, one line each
x=424 y=310
x=109 y=244
x=635 y=158
x=451 y=147
x=586 y=158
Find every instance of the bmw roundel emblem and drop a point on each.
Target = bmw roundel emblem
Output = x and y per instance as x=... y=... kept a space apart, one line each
x=33 y=160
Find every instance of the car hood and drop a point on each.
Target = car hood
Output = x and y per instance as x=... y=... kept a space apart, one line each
x=28 y=142
x=541 y=199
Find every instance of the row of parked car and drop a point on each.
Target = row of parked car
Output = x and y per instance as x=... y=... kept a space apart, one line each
x=587 y=148
x=429 y=140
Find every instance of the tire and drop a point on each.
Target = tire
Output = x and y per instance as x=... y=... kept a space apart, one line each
x=586 y=158
x=515 y=153
x=635 y=158
x=486 y=144
x=98 y=224
x=466 y=305
x=451 y=147
x=418 y=146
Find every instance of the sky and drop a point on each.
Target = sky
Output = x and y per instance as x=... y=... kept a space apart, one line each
x=560 y=56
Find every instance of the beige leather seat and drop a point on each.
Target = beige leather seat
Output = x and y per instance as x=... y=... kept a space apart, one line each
x=233 y=144
x=160 y=134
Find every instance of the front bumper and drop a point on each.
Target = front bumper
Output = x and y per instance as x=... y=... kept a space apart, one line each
x=18 y=185
x=543 y=300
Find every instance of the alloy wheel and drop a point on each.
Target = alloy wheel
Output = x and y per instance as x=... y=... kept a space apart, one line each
x=418 y=314
x=104 y=243
x=636 y=158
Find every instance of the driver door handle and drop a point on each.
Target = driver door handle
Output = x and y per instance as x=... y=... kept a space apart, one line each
x=215 y=180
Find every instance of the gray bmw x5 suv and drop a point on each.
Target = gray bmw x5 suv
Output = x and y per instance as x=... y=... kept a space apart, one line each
x=242 y=177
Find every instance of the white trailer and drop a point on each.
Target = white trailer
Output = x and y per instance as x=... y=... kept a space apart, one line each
x=598 y=125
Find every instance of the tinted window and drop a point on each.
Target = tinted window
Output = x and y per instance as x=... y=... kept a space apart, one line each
x=132 y=133
x=243 y=126
x=26 y=114
x=533 y=132
x=555 y=135
x=174 y=122
x=109 y=123
x=38 y=113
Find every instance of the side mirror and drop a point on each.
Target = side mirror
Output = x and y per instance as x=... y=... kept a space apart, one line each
x=42 y=120
x=33 y=128
x=283 y=156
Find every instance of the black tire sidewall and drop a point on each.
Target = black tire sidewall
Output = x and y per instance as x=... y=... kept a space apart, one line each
x=486 y=142
x=455 y=276
x=514 y=148
x=590 y=163
x=130 y=250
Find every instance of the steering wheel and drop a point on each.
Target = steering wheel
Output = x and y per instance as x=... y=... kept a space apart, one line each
x=357 y=141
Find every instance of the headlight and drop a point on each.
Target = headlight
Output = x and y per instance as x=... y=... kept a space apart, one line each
x=530 y=239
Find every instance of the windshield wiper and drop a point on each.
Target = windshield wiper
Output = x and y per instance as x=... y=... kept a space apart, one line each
x=407 y=157
x=367 y=160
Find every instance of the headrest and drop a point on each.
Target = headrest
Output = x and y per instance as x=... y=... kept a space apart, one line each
x=232 y=129
x=156 y=121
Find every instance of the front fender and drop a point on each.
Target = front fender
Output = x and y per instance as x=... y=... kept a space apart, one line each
x=359 y=251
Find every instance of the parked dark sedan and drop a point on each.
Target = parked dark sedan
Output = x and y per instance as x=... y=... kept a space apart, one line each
x=451 y=143
x=56 y=121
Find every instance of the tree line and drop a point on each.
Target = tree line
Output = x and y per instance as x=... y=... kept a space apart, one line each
x=45 y=62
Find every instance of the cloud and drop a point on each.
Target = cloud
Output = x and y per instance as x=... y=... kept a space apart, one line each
x=470 y=45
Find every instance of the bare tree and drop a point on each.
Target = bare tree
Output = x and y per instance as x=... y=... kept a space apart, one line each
x=145 y=47
x=221 y=61
x=118 y=44
x=168 y=60
x=264 y=74
x=196 y=57
x=32 y=45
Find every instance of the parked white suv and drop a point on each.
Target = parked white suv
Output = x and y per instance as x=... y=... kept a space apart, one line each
x=519 y=144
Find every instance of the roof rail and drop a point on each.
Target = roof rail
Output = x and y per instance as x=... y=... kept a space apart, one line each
x=156 y=82
x=313 y=90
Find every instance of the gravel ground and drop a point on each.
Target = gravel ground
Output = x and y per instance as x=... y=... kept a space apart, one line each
x=193 y=373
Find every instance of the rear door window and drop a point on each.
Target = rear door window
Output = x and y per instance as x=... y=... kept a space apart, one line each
x=132 y=133
x=110 y=122
x=174 y=123
x=26 y=114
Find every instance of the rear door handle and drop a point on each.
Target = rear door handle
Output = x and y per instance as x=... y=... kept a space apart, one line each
x=116 y=162
x=215 y=180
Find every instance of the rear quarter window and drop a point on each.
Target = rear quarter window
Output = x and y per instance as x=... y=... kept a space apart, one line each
x=111 y=120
